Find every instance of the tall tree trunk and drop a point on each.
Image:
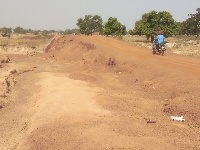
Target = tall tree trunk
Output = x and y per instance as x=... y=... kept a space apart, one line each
x=148 y=37
x=152 y=38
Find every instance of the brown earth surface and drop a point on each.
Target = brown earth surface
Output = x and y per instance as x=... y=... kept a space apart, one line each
x=93 y=92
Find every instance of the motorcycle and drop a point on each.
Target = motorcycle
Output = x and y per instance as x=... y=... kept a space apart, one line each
x=160 y=48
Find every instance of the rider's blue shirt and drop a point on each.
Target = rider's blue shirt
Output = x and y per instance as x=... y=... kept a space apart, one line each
x=160 y=38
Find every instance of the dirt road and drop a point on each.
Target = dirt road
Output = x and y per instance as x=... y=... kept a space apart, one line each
x=92 y=92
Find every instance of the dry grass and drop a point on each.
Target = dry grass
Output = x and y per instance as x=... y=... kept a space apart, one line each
x=23 y=40
x=186 y=45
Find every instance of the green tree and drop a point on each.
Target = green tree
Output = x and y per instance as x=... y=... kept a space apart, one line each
x=178 y=30
x=130 y=32
x=192 y=25
x=5 y=30
x=19 y=30
x=153 y=21
x=114 y=27
x=36 y=32
x=138 y=28
x=90 y=24
x=28 y=31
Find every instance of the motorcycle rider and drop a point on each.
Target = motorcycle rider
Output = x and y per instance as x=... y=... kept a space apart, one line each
x=160 y=38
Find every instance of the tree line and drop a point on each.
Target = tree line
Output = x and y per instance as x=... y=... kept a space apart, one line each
x=154 y=21
x=148 y=25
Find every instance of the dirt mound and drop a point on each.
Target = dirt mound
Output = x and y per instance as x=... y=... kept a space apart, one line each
x=69 y=49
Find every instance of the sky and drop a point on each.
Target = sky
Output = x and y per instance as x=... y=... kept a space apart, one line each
x=63 y=14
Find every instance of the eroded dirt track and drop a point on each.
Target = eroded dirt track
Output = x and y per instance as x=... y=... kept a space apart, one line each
x=92 y=92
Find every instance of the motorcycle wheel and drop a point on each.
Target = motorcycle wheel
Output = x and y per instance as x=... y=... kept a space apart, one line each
x=153 y=52
x=162 y=52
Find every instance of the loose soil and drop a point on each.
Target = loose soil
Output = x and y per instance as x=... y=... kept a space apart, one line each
x=93 y=92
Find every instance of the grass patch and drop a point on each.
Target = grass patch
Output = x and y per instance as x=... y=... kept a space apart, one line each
x=23 y=40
